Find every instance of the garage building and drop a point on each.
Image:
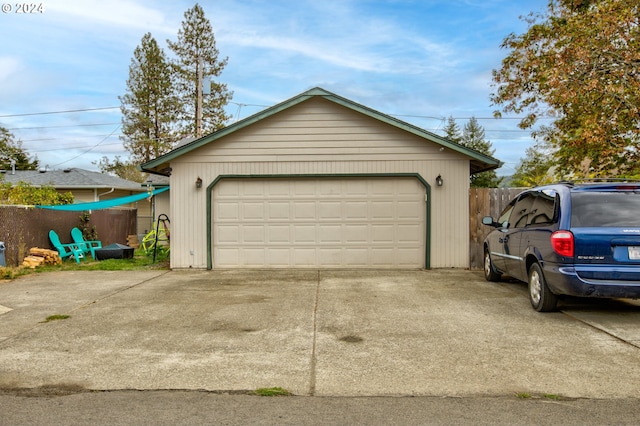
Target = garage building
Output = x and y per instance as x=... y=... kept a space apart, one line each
x=319 y=181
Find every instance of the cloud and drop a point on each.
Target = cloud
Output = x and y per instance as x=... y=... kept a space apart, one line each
x=123 y=14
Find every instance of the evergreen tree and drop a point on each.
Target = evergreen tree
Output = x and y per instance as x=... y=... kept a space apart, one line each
x=452 y=130
x=149 y=106
x=197 y=58
x=473 y=136
x=11 y=151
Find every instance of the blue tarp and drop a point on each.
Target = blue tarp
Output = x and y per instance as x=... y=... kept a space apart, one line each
x=105 y=204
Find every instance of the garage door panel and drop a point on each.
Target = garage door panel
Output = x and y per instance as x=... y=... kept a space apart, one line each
x=355 y=234
x=304 y=210
x=252 y=210
x=227 y=257
x=227 y=211
x=382 y=210
x=408 y=234
x=304 y=234
x=253 y=234
x=330 y=257
x=355 y=210
x=383 y=256
x=279 y=257
x=331 y=210
x=278 y=210
x=411 y=210
x=383 y=234
x=250 y=188
x=227 y=234
x=324 y=222
x=407 y=257
x=253 y=257
x=330 y=233
x=356 y=188
x=278 y=234
x=304 y=257
x=355 y=256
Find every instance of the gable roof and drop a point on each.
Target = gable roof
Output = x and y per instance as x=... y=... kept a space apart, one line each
x=478 y=161
x=71 y=179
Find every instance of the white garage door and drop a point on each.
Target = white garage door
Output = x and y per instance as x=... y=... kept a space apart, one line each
x=323 y=222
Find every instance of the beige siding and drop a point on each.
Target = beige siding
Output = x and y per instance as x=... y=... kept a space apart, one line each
x=320 y=138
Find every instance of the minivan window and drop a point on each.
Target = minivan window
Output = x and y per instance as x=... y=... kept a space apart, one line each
x=613 y=209
x=522 y=210
x=544 y=208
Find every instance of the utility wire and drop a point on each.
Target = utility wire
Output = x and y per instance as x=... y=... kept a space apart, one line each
x=60 y=127
x=95 y=146
x=58 y=112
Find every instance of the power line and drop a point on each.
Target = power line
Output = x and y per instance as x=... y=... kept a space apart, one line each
x=82 y=153
x=60 y=127
x=58 y=112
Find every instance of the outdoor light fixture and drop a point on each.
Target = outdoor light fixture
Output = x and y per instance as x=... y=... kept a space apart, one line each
x=439 y=180
x=198 y=182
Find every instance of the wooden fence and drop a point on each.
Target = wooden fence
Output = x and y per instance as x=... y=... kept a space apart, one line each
x=484 y=202
x=24 y=227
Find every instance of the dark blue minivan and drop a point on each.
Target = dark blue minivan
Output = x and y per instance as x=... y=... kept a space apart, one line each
x=569 y=239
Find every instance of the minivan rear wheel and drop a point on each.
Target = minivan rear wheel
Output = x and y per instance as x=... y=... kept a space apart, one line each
x=541 y=298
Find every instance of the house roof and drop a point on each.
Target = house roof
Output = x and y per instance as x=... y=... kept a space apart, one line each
x=478 y=162
x=71 y=179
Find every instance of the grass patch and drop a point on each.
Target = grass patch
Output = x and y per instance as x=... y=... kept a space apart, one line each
x=56 y=318
x=140 y=261
x=277 y=391
x=523 y=395
x=552 y=396
x=8 y=273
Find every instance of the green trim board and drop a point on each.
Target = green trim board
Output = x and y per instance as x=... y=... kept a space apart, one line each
x=479 y=162
x=427 y=242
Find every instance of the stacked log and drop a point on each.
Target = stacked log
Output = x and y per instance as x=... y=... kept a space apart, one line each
x=39 y=256
x=132 y=241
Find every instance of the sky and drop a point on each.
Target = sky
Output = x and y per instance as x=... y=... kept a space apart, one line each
x=63 y=63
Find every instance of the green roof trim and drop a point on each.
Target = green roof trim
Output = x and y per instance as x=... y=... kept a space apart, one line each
x=479 y=161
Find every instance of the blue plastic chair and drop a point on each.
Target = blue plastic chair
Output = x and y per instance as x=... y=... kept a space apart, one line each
x=85 y=245
x=65 y=250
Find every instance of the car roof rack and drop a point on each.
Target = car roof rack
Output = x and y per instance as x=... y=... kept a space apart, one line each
x=586 y=181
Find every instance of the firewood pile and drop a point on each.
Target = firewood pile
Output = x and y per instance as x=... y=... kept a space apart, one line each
x=132 y=241
x=39 y=256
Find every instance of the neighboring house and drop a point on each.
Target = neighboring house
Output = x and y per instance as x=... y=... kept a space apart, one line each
x=320 y=181
x=86 y=186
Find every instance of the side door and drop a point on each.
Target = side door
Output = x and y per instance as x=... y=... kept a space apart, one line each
x=496 y=238
x=520 y=217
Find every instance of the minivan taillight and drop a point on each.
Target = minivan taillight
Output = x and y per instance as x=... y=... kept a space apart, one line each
x=562 y=243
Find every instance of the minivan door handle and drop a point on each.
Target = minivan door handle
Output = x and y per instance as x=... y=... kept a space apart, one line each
x=503 y=240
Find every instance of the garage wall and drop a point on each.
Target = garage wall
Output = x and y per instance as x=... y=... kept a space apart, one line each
x=321 y=138
x=449 y=204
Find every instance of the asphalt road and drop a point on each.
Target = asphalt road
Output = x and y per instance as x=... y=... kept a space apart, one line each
x=199 y=408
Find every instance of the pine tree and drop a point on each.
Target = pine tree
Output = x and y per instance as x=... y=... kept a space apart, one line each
x=149 y=106
x=452 y=130
x=473 y=137
x=12 y=154
x=197 y=58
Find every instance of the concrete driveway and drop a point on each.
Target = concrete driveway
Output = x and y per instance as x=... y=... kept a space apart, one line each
x=338 y=333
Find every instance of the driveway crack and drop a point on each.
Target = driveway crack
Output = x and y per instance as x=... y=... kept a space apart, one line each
x=312 y=366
